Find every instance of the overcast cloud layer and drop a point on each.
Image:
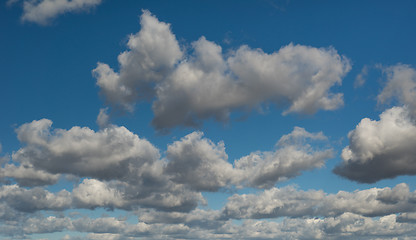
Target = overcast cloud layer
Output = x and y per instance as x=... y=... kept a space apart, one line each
x=189 y=86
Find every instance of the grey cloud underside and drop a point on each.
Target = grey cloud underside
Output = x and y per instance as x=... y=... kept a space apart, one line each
x=381 y=149
x=205 y=83
x=385 y=148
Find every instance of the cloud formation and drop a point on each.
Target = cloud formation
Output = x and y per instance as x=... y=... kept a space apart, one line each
x=205 y=83
x=381 y=149
x=293 y=155
x=43 y=12
x=106 y=154
x=203 y=165
x=290 y=202
x=400 y=86
x=124 y=171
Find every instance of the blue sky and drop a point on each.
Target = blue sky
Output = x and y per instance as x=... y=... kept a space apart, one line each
x=207 y=119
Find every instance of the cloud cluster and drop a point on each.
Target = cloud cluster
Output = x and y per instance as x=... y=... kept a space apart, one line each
x=189 y=86
x=43 y=12
x=165 y=192
x=344 y=226
x=290 y=202
x=121 y=170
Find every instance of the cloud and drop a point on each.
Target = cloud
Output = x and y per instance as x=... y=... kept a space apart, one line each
x=27 y=176
x=92 y=193
x=200 y=163
x=293 y=155
x=49 y=224
x=291 y=202
x=361 y=77
x=43 y=12
x=126 y=172
x=107 y=154
x=205 y=83
x=380 y=149
x=203 y=165
x=152 y=54
x=103 y=119
x=35 y=199
x=401 y=86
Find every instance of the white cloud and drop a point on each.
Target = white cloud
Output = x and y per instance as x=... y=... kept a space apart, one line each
x=292 y=156
x=381 y=149
x=107 y=154
x=152 y=54
x=401 y=86
x=200 y=163
x=124 y=171
x=103 y=119
x=92 y=193
x=291 y=202
x=44 y=11
x=189 y=87
x=26 y=175
x=203 y=165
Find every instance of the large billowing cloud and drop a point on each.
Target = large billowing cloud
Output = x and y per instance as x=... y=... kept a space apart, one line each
x=44 y=11
x=381 y=149
x=206 y=83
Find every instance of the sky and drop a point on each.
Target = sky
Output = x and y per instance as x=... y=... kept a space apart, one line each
x=268 y=119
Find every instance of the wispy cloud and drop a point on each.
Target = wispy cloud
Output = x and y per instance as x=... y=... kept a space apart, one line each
x=43 y=12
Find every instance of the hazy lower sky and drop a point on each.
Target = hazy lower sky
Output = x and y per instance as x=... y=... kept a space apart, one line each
x=207 y=119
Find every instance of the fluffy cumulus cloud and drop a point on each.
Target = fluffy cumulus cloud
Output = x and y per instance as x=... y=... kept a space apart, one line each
x=107 y=154
x=165 y=192
x=381 y=149
x=205 y=83
x=153 y=53
x=199 y=162
x=44 y=11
